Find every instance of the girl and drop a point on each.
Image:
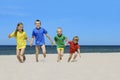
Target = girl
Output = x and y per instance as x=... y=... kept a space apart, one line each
x=21 y=38
x=74 y=48
x=60 y=43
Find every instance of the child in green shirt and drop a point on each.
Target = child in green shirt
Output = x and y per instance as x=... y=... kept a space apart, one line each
x=60 y=43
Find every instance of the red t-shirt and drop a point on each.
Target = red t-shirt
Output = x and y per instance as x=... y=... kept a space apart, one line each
x=73 y=47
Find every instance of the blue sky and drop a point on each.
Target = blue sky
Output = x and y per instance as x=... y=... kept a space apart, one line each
x=96 y=22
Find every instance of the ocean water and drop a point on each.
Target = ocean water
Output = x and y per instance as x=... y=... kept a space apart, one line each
x=11 y=49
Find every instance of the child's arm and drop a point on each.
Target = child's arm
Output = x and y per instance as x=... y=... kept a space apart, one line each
x=66 y=41
x=50 y=39
x=31 y=42
x=27 y=39
x=79 y=52
x=55 y=40
x=11 y=35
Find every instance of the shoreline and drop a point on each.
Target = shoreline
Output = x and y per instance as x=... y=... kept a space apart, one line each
x=65 y=53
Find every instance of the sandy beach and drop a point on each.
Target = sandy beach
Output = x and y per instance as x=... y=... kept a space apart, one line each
x=100 y=66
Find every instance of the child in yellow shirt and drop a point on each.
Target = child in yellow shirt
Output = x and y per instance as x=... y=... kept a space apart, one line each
x=21 y=38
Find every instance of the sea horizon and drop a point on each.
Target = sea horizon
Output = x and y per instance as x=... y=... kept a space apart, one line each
x=11 y=49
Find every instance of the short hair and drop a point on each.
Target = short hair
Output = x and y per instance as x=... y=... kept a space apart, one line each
x=38 y=21
x=59 y=28
x=76 y=37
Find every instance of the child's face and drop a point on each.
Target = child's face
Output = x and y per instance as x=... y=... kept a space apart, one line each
x=59 y=31
x=38 y=24
x=20 y=27
x=75 y=41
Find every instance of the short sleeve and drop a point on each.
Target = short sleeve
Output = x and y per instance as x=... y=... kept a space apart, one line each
x=65 y=37
x=55 y=38
x=25 y=36
x=45 y=31
x=33 y=33
x=12 y=34
x=78 y=46
x=69 y=42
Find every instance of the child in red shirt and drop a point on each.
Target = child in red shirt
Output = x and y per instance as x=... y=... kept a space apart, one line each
x=74 y=48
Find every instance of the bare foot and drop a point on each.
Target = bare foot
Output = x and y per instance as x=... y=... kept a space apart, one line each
x=19 y=59
x=44 y=54
x=58 y=60
x=37 y=60
x=74 y=61
x=24 y=58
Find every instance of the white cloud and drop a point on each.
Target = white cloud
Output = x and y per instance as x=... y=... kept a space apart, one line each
x=13 y=10
x=13 y=13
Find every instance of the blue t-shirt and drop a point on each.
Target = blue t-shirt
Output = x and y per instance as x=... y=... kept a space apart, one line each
x=39 y=36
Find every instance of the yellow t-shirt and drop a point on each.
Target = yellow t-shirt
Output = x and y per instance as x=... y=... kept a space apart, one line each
x=20 y=39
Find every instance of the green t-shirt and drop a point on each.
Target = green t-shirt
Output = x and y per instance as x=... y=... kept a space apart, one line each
x=60 y=41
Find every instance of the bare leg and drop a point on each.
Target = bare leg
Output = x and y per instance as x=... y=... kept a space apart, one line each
x=18 y=56
x=22 y=54
x=24 y=58
x=37 y=53
x=70 y=57
x=59 y=54
x=75 y=55
x=44 y=50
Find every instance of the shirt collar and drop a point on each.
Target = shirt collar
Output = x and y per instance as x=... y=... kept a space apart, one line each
x=75 y=43
x=59 y=35
x=38 y=28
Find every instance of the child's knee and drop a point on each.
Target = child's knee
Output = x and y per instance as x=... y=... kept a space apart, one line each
x=37 y=53
x=71 y=55
x=44 y=51
x=62 y=54
x=17 y=55
x=76 y=54
x=21 y=54
x=59 y=54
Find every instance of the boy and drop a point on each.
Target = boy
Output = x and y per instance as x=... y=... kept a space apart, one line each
x=74 y=48
x=60 y=43
x=38 y=34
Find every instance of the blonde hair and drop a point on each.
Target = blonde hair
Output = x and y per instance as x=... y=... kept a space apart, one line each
x=59 y=28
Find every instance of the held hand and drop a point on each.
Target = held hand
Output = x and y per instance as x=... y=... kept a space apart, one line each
x=31 y=44
x=9 y=36
x=52 y=43
x=66 y=44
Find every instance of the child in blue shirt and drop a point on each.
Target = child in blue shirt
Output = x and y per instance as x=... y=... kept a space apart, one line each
x=38 y=33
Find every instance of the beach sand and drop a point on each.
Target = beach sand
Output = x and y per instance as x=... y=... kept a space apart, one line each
x=91 y=66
